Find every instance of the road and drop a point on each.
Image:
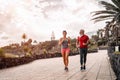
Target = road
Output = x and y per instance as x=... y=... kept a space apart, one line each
x=98 y=68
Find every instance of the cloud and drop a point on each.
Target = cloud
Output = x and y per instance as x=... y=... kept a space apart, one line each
x=38 y=18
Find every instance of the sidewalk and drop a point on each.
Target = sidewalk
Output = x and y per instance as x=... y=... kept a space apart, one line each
x=98 y=68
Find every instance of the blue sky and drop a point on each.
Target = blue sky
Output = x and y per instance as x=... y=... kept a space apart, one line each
x=38 y=18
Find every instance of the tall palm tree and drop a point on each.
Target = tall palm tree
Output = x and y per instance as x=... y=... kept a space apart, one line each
x=24 y=36
x=111 y=12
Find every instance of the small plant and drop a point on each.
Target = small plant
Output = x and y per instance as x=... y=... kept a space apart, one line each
x=45 y=51
x=28 y=54
x=26 y=49
x=1 y=52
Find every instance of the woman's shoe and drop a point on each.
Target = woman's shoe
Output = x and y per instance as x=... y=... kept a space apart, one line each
x=66 y=68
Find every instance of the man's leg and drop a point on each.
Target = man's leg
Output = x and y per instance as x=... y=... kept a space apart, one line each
x=85 y=57
x=81 y=57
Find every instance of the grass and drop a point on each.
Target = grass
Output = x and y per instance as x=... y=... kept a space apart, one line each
x=9 y=55
x=117 y=52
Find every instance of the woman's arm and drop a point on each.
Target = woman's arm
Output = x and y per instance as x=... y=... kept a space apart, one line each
x=60 y=41
x=69 y=41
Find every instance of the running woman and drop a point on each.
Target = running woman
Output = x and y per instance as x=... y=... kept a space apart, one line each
x=82 y=44
x=65 y=50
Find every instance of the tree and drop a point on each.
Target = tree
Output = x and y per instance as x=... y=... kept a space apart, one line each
x=112 y=11
x=95 y=38
x=24 y=36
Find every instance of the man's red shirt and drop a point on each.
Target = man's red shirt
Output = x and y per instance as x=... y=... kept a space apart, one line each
x=83 y=39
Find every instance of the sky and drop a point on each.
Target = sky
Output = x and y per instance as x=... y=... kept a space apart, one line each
x=39 y=18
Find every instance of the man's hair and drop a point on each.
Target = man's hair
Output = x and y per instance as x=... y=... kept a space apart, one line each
x=64 y=31
x=82 y=30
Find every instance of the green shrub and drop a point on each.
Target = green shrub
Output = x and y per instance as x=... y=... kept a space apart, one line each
x=92 y=47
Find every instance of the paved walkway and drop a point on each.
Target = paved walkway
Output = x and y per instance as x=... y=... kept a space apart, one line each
x=98 y=68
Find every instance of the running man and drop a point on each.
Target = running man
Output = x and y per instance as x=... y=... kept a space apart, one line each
x=65 y=50
x=82 y=43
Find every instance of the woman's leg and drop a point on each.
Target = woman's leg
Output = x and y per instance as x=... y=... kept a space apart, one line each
x=67 y=57
x=63 y=56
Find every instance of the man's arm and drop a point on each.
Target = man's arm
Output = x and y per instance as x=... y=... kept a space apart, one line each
x=77 y=43
x=87 y=41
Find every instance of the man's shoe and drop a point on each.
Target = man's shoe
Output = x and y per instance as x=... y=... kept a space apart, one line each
x=84 y=67
x=81 y=68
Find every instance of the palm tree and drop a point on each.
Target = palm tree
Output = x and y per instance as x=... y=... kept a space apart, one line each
x=24 y=36
x=111 y=12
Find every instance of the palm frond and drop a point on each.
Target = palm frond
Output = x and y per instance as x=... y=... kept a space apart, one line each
x=95 y=21
x=112 y=12
x=109 y=6
x=117 y=3
x=117 y=17
x=103 y=17
x=103 y=12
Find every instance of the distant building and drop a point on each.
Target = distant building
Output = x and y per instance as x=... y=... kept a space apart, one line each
x=52 y=36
